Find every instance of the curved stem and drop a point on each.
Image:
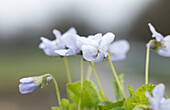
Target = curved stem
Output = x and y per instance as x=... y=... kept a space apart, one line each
x=116 y=77
x=147 y=61
x=56 y=87
x=98 y=82
x=81 y=90
x=67 y=70
x=89 y=72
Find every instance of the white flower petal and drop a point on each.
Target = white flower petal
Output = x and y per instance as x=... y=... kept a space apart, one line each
x=89 y=52
x=56 y=33
x=165 y=51
x=86 y=41
x=107 y=39
x=27 y=80
x=154 y=103
x=72 y=30
x=155 y=34
x=61 y=52
x=97 y=37
x=118 y=50
x=50 y=46
x=99 y=57
x=158 y=92
x=70 y=40
x=165 y=105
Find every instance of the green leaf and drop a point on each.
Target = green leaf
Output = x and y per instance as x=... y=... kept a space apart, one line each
x=108 y=105
x=118 y=94
x=65 y=104
x=129 y=103
x=139 y=95
x=55 y=108
x=131 y=90
x=90 y=95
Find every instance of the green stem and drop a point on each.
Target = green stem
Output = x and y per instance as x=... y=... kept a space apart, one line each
x=81 y=90
x=98 y=82
x=67 y=70
x=56 y=87
x=147 y=61
x=89 y=72
x=117 y=79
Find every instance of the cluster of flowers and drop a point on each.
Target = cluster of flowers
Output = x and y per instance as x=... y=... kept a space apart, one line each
x=96 y=48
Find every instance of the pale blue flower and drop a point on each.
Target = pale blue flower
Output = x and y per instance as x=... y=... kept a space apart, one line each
x=31 y=84
x=162 y=44
x=118 y=50
x=69 y=40
x=96 y=50
x=60 y=43
x=158 y=102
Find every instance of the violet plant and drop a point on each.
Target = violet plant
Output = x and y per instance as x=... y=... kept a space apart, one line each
x=84 y=94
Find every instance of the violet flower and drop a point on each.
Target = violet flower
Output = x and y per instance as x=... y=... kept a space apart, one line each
x=31 y=84
x=67 y=40
x=96 y=50
x=158 y=102
x=161 y=44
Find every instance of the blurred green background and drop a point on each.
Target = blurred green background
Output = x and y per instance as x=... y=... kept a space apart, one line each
x=24 y=22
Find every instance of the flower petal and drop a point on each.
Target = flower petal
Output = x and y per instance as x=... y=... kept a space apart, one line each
x=61 y=52
x=27 y=80
x=48 y=79
x=158 y=92
x=154 y=103
x=89 y=52
x=49 y=46
x=155 y=34
x=86 y=41
x=107 y=39
x=99 y=57
x=165 y=105
x=72 y=30
x=165 y=51
x=27 y=88
x=59 y=40
x=118 y=50
x=97 y=37
x=70 y=40
x=56 y=33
